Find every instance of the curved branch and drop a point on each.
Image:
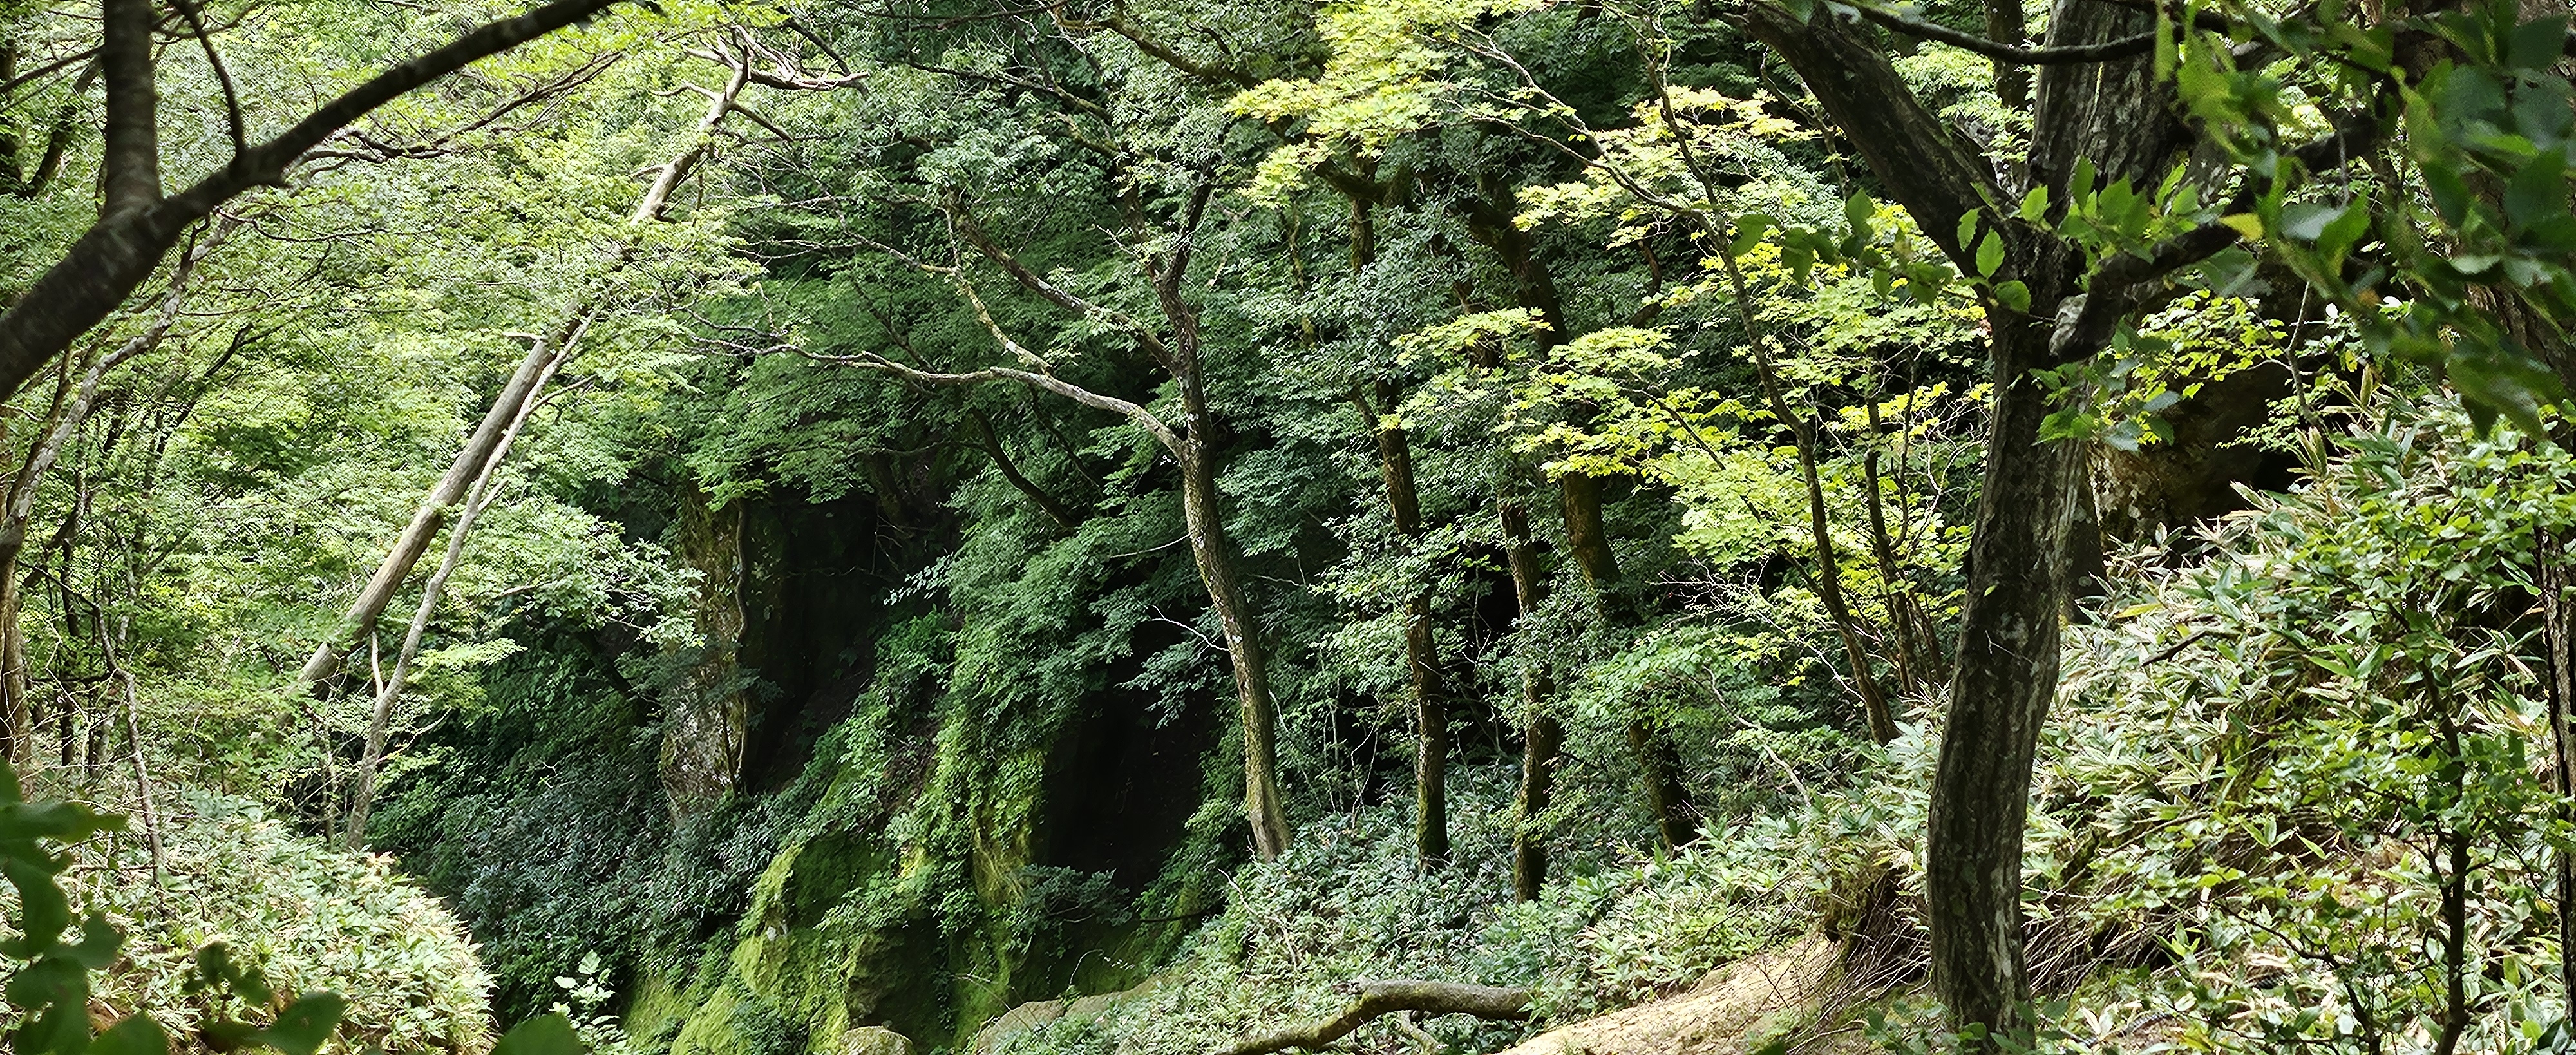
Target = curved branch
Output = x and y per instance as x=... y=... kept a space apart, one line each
x=1144 y=419
x=1386 y=998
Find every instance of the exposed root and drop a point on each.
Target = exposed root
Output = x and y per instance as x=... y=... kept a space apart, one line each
x=1387 y=998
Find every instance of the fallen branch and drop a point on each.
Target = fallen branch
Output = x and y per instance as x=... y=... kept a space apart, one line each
x=1387 y=998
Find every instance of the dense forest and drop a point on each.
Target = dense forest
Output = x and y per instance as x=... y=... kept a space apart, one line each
x=1007 y=527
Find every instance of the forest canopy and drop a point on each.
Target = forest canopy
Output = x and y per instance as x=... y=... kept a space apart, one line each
x=874 y=526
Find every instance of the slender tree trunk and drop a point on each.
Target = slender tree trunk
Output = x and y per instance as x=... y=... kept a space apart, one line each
x=523 y=388
x=1213 y=551
x=1421 y=651
x=1542 y=736
x=371 y=758
x=1587 y=539
x=2558 y=625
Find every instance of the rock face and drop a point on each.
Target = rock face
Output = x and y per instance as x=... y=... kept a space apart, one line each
x=703 y=718
x=1037 y=1013
x=874 y=1040
x=937 y=857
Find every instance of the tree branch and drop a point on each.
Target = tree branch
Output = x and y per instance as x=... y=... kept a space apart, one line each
x=223 y=75
x=1142 y=417
x=138 y=228
x=967 y=228
x=1386 y=998
x=1921 y=160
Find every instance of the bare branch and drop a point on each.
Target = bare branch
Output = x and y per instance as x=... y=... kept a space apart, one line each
x=1143 y=418
x=966 y=227
x=223 y=75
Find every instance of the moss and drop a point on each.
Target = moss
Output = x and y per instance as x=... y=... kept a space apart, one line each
x=927 y=908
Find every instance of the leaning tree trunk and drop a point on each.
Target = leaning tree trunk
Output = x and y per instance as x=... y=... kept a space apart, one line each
x=526 y=385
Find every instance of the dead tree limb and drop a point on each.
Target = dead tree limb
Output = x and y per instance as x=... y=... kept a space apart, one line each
x=1387 y=998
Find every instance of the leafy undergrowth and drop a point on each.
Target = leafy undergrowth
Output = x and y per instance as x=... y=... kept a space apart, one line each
x=1348 y=902
x=311 y=917
x=2292 y=797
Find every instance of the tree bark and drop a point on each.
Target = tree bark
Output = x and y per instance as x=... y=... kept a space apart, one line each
x=1587 y=538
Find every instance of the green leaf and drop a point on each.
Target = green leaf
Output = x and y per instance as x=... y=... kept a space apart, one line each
x=2079 y=187
x=2537 y=192
x=542 y=1035
x=1749 y=229
x=2034 y=206
x=2538 y=44
x=2344 y=231
x=134 y=1035
x=305 y=1024
x=1990 y=254
x=2013 y=294
x=1857 y=210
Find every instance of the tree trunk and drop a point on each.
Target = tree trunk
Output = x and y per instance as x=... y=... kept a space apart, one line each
x=362 y=793
x=2558 y=627
x=1421 y=651
x=1542 y=736
x=1587 y=539
x=73 y=402
x=1214 y=553
x=2000 y=691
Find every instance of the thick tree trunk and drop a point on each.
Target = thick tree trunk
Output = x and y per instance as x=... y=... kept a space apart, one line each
x=2000 y=690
